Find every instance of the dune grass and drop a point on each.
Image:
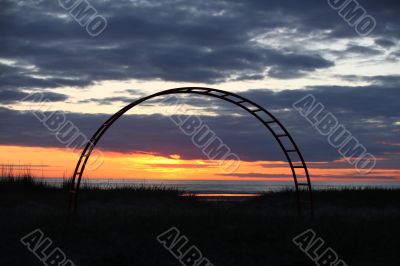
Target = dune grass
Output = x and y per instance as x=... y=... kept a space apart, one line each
x=119 y=226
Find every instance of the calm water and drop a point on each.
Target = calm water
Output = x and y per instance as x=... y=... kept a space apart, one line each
x=215 y=186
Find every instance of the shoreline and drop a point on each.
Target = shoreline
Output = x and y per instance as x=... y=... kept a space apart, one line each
x=221 y=186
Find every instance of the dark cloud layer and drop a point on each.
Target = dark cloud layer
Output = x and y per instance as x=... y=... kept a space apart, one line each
x=371 y=114
x=14 y=96
x=314 y=176
x=195 y=41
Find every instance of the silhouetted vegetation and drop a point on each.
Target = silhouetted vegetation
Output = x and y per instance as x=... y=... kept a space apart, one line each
x=119 y=226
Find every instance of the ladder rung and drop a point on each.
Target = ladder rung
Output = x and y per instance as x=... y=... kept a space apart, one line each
x=302 y=184
x=269 y=122
x=224 y=95
x=240 y=102
x=298 y=166
x=256 y=110
x=281 y=135
x=291 y=150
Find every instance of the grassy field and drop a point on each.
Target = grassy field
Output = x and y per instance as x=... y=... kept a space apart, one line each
x=120 y=226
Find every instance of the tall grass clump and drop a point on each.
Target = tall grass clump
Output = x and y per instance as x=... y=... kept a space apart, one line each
x=18 y=176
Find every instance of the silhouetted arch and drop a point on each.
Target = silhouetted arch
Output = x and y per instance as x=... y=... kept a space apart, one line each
x=289 y=147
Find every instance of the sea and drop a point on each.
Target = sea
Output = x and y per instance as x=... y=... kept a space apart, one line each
x=221 y=186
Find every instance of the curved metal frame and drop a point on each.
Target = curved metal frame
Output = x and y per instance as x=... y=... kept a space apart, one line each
x=248 y=105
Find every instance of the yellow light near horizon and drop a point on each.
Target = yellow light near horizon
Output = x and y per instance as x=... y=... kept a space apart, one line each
x=42 y=162
x=57 y=162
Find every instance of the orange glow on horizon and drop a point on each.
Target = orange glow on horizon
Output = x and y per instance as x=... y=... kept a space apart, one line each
x=57 y=162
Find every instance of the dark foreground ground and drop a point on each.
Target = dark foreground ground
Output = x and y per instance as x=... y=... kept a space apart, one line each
x=119 y=227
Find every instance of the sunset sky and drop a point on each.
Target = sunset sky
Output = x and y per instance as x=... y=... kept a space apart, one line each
x=271 y=52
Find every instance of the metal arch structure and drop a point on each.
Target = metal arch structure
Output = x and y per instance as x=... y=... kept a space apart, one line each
x=286 y=142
